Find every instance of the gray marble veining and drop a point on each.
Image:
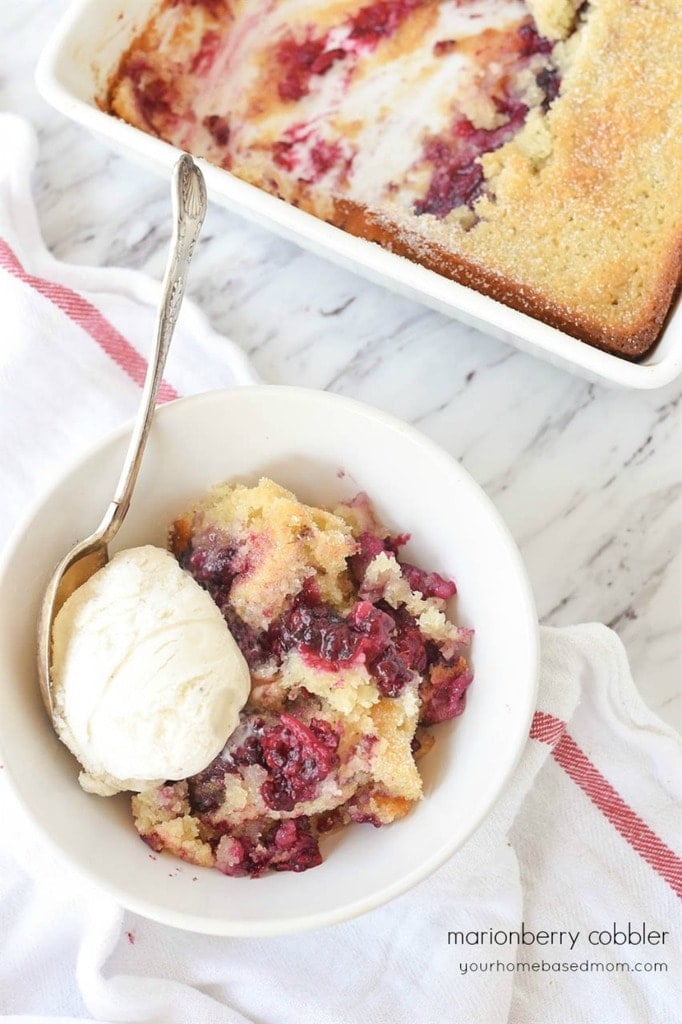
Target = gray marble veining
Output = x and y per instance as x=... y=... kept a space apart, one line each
x=588 y=479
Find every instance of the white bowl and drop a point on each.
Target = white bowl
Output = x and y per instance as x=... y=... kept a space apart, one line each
x=302 y=439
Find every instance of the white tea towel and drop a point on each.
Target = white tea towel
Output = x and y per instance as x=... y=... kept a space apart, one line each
x=560 y=910
x=73 y=342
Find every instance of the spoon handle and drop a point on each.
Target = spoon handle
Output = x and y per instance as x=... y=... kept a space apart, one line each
x=189 y=209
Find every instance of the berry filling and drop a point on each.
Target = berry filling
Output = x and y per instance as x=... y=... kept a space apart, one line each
x=289 y=846
x=328 y=737
x=300 y=62
x=369 y=547
x=154 y=98
x=549 y=80
x=302 y=149
x=428 y=584
x=377 y=21
x=457 y=177
x=203 y=59
x=387 y=642
x=219 y=128
x=360 y=134
x=207 y=789
x=442 y=694
x=297 y=758
x=216 y=7
x=303 y=60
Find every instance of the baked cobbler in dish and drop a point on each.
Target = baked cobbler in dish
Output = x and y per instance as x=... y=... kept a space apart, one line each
x=531 y=149
x=352 y=658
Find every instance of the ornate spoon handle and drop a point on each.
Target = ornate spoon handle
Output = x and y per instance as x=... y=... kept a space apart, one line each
x=189 y=209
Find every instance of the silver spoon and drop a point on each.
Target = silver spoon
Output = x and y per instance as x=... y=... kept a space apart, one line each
x=189 y=209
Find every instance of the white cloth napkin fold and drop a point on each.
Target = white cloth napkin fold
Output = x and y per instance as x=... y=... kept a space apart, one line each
x=581 y=842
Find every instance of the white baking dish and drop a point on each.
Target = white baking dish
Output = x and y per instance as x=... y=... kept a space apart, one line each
x=73 y=71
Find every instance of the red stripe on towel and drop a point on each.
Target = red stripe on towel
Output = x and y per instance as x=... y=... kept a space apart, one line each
x=577 y=765
x=546 y=728
x=89 y=318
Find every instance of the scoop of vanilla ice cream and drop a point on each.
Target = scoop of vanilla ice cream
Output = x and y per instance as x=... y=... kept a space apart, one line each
x=148 y=680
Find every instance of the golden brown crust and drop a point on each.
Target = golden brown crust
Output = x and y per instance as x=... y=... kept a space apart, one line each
x=180 y=534
x=632 y=342
x=300 y=543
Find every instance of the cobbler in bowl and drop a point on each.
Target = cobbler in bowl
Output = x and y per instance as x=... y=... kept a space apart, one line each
x=352 y=658
x=326 y=449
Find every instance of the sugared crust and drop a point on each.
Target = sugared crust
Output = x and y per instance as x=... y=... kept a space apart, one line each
x=300 y=543
x=584 y=225
x=162 y=816
x=393 y=766
x=631 y=340
x=554 y=18
x=581 y=225
x=597 y=225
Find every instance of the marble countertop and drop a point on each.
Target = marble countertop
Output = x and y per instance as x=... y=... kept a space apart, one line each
x=588 y=479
